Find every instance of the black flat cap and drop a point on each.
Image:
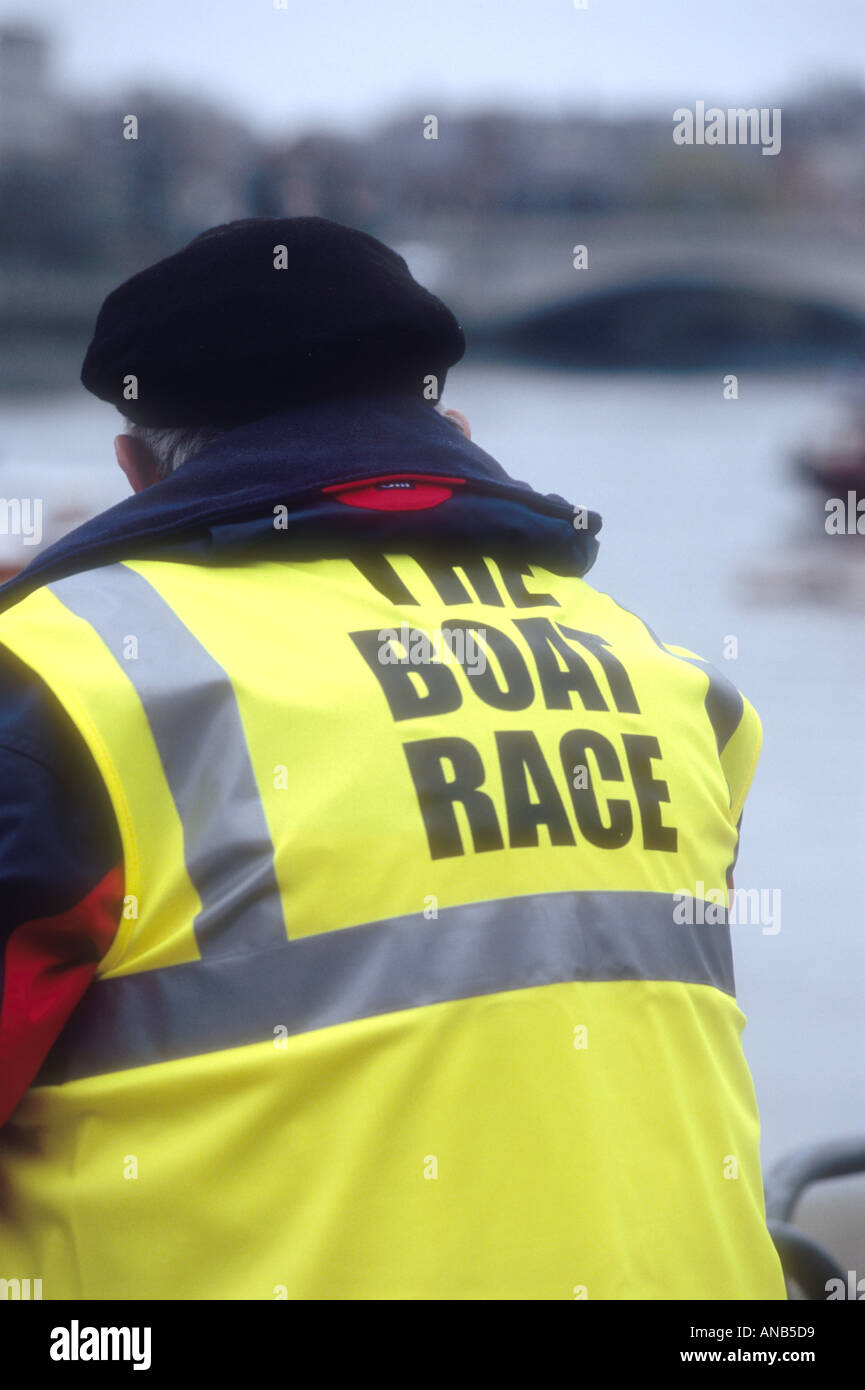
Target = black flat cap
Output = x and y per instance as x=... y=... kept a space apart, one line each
x=256 y=316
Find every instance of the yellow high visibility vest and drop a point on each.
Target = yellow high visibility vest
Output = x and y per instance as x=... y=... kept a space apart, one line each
x=417 y=992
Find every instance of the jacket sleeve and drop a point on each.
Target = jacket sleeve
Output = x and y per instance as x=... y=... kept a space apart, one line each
x=61 y=875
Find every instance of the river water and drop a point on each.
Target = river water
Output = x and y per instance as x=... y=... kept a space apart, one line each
x=696 y=497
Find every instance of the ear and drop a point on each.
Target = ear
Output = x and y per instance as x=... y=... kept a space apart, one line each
x=136 y=461
x=460 y=420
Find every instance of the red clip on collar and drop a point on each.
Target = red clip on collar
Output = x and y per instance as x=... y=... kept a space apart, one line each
x=396 y=492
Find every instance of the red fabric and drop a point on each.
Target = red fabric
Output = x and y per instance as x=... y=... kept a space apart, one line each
x=48 y=965
x=395 y=492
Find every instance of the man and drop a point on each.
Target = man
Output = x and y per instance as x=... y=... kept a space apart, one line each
x=345 y=833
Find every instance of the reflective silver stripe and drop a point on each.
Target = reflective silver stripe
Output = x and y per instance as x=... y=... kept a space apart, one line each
x=192 y=711
x=406 y=962
x=724 y=703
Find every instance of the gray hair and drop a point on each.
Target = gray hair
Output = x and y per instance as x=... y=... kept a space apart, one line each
x=171 y=448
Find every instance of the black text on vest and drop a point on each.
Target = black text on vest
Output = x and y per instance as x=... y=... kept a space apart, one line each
x=448 y=772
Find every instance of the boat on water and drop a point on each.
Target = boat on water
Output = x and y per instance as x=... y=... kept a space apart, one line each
x=824 y=562
x=836 y=467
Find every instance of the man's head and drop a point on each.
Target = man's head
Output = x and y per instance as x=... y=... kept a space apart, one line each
x=257 y=316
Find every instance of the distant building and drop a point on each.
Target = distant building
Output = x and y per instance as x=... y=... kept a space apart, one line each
x=31 y=113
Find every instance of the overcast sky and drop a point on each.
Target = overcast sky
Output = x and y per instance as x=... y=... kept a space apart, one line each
x=344 y=63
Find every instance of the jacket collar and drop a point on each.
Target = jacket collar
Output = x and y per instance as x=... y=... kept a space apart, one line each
x=227 y=494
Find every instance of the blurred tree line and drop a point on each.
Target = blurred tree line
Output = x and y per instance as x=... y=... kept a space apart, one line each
x=78 y=192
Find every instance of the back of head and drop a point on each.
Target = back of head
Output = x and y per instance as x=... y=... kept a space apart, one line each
x=259 y=315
